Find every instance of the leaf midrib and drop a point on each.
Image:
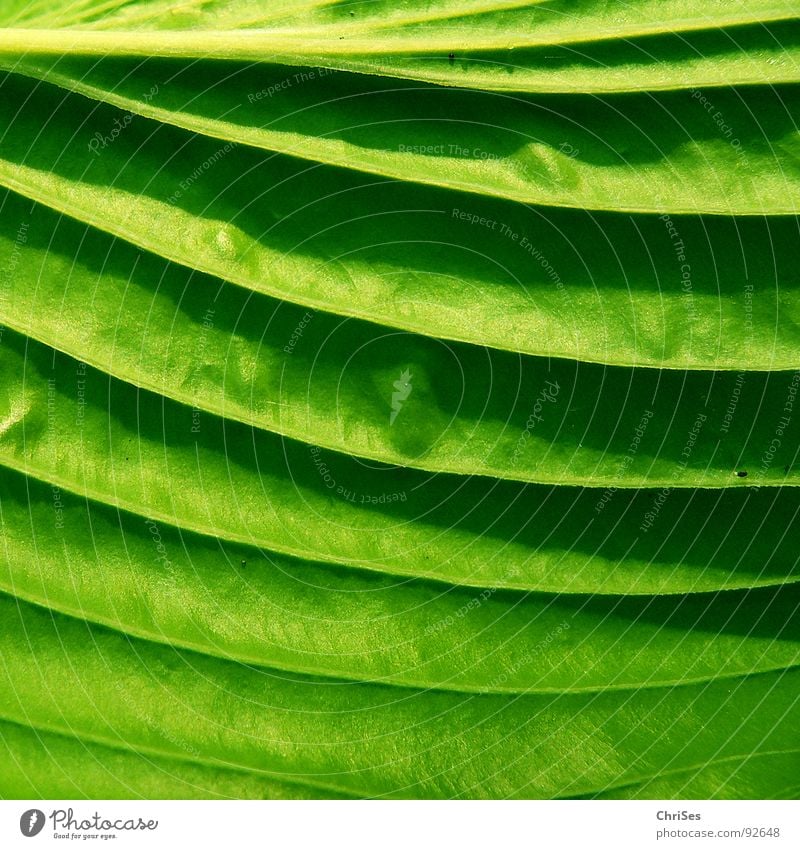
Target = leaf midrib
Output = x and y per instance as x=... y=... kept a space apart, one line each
x=315 y=42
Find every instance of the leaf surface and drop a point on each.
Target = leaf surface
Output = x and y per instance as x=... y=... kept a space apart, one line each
x=668 y=291
x=237 y=602
x=340 y=383
x=765 y=54
x=149 y=455
x=730 y=153
x=408 y=27
x=368 y=739
x=39 y=764
x=399 y=399
x=746 y=777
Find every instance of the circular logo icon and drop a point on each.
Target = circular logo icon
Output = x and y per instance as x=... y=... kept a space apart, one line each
x=31 y=822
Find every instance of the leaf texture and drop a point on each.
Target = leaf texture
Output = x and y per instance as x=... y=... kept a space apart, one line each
x=757 y=54
x=39 y=763
x=682 y=292
x=643 y=153
x=143 y=453
x=489 y=45
x=469 y=410
x=240 y=603
x=369 y=739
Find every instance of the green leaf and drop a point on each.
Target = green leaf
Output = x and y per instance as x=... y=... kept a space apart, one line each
x=684 y=152
x=702 y=151
x=334 y=382
x=759 y=54
x=235 y=602
x=483 y=20
x=146 y=454
x=676 y=291
x=398 y=399
x=747 y=777
x=369 y=739
x=479 y=43
x=39 y=764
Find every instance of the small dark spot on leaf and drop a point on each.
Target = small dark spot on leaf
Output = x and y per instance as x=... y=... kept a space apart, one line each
x=741 y=474
x=452 y=58
x=244 y=564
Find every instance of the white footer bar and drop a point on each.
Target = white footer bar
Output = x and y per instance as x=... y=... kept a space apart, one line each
x=402 y=824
